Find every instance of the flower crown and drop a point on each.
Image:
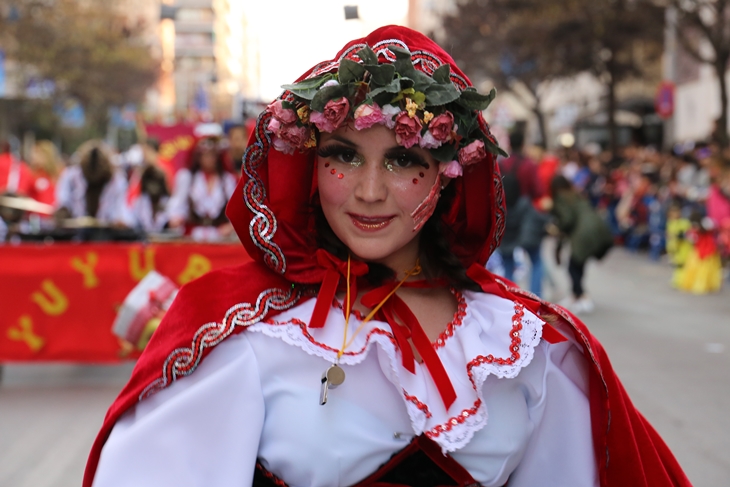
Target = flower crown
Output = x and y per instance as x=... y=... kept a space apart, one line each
x=423 y=110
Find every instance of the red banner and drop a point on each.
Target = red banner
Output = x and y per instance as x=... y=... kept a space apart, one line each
x=58 y=302
x=176 y=143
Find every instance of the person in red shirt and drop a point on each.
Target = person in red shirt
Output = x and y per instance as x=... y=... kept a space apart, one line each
x=15 y=176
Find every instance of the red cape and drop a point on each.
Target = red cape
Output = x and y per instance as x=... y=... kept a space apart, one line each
x=206 y=311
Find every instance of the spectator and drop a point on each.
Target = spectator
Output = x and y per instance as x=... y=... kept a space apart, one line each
x=201 y=194
x=15 y=176
x=150 y=206
x=588 y=234
x=93 y=188
x=46 y=165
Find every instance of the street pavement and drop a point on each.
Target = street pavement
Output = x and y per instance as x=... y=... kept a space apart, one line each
x=671 y=350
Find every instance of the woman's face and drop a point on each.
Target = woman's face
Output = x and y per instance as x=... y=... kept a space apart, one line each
x=208 y=162
x=368 y=187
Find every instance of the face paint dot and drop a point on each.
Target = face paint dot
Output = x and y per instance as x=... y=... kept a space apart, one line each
x=415 y=181
x=340 y=176
x=421 y=174
x=326 y=164
x=332 y=171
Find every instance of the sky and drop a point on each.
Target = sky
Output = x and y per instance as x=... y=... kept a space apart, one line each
x=291 y=36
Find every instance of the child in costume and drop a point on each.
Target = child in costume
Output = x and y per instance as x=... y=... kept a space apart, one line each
x=678 y=247
x=701 y=272
x=367 y=344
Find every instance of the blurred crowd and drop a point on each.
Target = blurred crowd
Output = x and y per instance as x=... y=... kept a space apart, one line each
x=99 y=194
x=663 y=203
x=673 y=205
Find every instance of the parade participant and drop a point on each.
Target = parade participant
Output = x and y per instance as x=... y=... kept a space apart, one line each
x=377 y=349
x=201 y=192
x=93 y=187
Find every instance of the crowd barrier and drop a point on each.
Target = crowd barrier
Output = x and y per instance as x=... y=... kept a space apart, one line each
x=59 y=301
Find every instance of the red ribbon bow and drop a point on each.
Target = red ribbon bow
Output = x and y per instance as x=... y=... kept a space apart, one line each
x=410 y=328
x=335 y=268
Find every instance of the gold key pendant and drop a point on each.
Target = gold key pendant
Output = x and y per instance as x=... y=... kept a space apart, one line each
x=331 y=378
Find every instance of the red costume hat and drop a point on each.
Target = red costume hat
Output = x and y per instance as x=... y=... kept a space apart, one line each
x=271 y=212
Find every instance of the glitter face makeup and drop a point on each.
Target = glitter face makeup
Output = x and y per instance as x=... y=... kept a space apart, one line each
x=371 y=210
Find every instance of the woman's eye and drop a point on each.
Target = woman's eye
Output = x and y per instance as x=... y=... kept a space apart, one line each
x=348 y=157
x=402 y=161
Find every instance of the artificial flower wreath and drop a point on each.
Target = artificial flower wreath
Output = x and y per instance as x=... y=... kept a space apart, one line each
x=428 y=111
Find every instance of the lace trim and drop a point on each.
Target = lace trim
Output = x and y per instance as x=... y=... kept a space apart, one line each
x=455 y=322
x=457 y=430
x=295 y=332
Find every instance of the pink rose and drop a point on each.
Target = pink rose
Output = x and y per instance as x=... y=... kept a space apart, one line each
x=450 y=169
x=335 y=112
x=442 y=126
x=274 y=126
x=283 y=115
x=368 y=115
x=472 y=153
x=407 y=130
x=428 y=141
x=293 y=135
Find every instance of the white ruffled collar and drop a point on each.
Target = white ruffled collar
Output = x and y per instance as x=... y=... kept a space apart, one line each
x=488 y=335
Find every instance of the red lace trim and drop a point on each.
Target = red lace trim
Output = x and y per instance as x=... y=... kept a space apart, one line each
x=514 y=345
x=455 y=322
x=303 y=327
x=479 y=360
x=418 y=403
x=456 y=420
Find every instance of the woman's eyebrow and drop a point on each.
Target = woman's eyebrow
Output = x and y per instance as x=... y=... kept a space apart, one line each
x=345 y=141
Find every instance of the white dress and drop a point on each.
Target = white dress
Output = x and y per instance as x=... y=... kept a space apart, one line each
x=256 y=396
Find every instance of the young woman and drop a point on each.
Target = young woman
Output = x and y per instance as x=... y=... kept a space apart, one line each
x=366 y=344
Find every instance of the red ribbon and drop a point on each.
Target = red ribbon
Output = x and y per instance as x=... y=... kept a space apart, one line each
x=411 y=328
x=334 y=268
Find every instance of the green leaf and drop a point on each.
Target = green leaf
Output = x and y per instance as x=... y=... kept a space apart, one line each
x=350 y=71
x=392 y=87
x=381 y=74
x=444 y=153
x=442 y=74
x=441 y=94
x=367 y=55
x=307 y=88
x=476 y=101
x=494 y=148
x=326 y=94
x=403 y=63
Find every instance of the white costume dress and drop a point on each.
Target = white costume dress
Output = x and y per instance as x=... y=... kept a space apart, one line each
x=113 y=208
x=256 y=397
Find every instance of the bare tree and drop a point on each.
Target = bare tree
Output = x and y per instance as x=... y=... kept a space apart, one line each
x=527 y=42
x=88 y=49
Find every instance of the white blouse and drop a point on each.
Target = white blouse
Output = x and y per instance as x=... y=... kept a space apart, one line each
x=256 y=396
x=71 y=194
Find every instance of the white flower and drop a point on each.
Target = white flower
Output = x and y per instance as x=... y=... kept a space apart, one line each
x=332 y=82
x=390 y=111
x=428 y=141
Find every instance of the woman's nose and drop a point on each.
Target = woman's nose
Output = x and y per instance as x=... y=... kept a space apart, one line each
x=371 y=186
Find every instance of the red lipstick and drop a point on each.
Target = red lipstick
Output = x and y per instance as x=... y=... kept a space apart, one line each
x=370 y=223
